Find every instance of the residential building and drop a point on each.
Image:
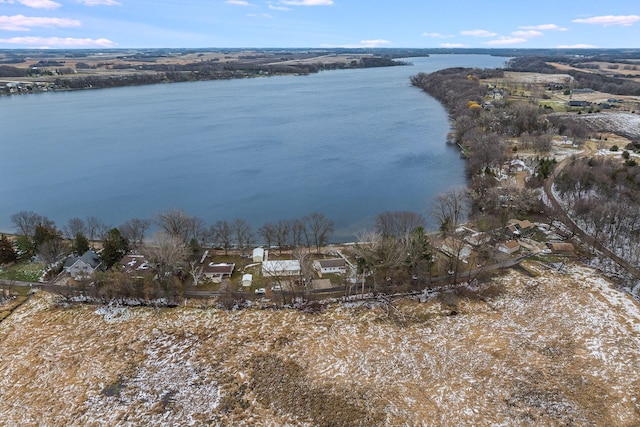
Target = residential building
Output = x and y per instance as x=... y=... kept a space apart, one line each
x=330 y=266
x=217 y=272
x=284 y=267
x=83 y=266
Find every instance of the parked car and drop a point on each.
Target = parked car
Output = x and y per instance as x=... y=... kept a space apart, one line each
x=260 y=291
x=276 y=288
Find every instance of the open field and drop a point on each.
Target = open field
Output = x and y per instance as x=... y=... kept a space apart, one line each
x=557 y=349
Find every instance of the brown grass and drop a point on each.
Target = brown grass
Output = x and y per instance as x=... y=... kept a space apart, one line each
x=549 y=350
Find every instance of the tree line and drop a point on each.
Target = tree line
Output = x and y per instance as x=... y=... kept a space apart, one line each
x=617 y=85
x=483 y=131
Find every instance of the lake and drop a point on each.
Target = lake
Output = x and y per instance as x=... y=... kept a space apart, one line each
x=349 y=144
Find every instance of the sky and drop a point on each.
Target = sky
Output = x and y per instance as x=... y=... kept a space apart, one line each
x=319 y=23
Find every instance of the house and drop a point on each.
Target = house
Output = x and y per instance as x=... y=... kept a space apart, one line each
x=217 y=272
x=561 y=248
x=258 y=255
x=330 y=266
x=247 y=279
x=524 y=227
x=575 y=103
x=477 y=238
x=455 y=248
x=83 y=266
x=509 y=247
x=284 y=267
x=134 y=264
x=512 y=231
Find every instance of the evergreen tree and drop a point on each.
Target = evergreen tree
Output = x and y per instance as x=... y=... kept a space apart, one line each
x=7 y=253
x=115 y=247
x=80 y=244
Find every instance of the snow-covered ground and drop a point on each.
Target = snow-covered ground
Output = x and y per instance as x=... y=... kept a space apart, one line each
x=622 y=123
x=557 y=349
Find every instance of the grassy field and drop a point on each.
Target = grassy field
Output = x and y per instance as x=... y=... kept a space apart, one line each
x=24 y=272
x=557 y=349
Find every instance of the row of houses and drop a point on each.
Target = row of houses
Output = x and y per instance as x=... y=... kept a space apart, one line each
x=514 y=236
x=81 y=267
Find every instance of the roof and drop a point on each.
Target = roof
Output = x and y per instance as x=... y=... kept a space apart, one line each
x=89 y=257
x=131 y=263
x=222 y=268
x=522 y=225
x=332 y=263
x=258 y=252
x=281 y=266
x=562 y=247
x=246 y=277
x=511 y=244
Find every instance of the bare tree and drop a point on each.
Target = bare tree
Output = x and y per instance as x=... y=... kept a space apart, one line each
x=53 y=250
x=282 y=231
x=303 y=256
x=196 y=272
x=380 y=257
x=243 y=233
x=165 y=252
x=320 y=228
x=419 y=253
x=268 y=233
x=175 y=222
x=222 y=235
x=398 y=223
x=95 y=229
x=450 y=208
x=27 y=221
x=366 y=255
x=197 y=229
x=299 y=234
x=135 y=229
x=74 y=227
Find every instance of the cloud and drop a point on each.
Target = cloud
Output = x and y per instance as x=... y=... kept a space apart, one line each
x=276 y=7
x=527 y=34
x=25 y=23
x=506 y=41
x=238 y=2
x=374 y=43
x=478 y=33
x=609 y=20
x=53 y=42
x=436 y=35
x=40 y=4
x=577 y=46
x=100 y=2
x=452 y=45
x=307 y=2
x=543 y=27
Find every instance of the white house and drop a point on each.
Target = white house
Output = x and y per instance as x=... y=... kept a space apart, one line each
x=282 y=267
x=217 y=272
x=328 y=266
x=509 y=247
x=83 y=266
x=258 y=255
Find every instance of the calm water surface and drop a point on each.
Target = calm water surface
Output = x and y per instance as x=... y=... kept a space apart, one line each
x=349 y=144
